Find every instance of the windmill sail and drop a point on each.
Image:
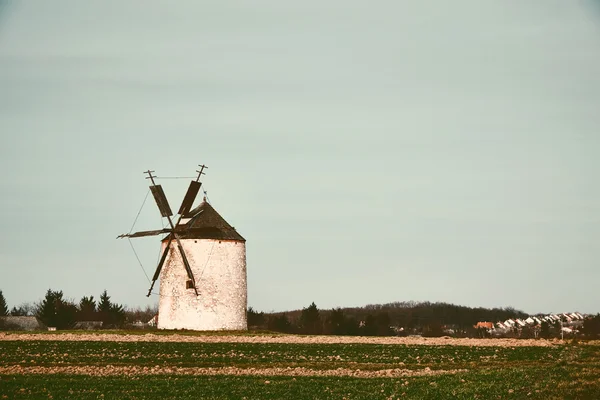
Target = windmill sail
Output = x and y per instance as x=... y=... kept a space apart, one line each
x=161 y=200
x=165 y=212
x=160 y=264
x=189 y=198
x=143 y=233
x=188 y=269
x=162 y=259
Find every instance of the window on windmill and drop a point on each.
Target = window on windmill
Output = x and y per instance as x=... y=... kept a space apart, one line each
x=189 y=284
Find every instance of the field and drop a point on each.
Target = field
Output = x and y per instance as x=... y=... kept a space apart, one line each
x=264 y=366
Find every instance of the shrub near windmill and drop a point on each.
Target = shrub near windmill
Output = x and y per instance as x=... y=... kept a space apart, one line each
x=202 y=268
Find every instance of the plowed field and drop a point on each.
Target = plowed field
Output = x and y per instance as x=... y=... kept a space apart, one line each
x=179 y=366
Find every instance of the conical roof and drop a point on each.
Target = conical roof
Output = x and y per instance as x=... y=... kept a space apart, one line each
x=207 y=223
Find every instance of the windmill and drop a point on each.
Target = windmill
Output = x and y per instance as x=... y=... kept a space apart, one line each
x=202 y=277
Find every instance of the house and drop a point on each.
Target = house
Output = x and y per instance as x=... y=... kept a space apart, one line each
x=28 y=323
x=484 y=325
x=153 y=321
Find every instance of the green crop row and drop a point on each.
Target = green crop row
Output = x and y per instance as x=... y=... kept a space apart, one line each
x=48 y=353
x=518 y=383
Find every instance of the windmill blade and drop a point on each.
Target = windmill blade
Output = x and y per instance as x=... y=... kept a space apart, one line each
x=161 y=200
x=162 y=259
x=143 y=233
x=160 y=264
x=189 y=198
x=165 y=211
x=188 y=269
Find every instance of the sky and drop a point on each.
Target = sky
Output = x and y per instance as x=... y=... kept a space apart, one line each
x=369 y=152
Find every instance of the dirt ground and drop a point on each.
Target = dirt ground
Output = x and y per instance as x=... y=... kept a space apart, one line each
x=135 y=371
x=110 y=370
x=295 y=339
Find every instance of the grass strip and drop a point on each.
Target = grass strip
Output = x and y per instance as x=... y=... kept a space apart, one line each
x=327 y=356
x=555 y=382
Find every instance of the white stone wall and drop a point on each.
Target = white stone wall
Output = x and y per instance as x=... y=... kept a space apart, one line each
x=219 y=268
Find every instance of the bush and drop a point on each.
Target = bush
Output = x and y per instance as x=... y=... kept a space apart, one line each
x=255 y=319
x=591 y=326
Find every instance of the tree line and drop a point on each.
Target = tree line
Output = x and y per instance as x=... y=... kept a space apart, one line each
x=402 y=319
x=399 y=318
x=55 y=310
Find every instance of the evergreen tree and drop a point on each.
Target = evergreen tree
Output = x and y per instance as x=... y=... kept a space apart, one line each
x=112 y=315
x=310 y=320
x=56 y=311
x=18 y=312
x=104 y=304
x=3 y=306
x=22 y=310
x=117 y=316
x=545 y=330
x=87 y=309
x=67 y=314
x=336 y=322
x=255 y=319
x=280 y=323
x=47 y=309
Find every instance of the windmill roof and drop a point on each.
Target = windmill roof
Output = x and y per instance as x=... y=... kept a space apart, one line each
x=207 y=223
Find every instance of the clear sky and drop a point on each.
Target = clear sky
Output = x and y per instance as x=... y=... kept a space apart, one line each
x=368 y=151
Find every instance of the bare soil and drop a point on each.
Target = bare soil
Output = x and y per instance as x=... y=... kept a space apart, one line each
x=295 y=339
x=110 y=370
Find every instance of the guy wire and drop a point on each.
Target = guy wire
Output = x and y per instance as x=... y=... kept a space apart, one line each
x=175 y=177
x=129 y=239
x=140 y=210
x=138 y=259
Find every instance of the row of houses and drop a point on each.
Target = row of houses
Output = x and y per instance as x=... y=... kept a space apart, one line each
x=568 y=322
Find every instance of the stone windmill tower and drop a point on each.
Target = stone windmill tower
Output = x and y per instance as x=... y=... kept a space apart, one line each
x=202 y=268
